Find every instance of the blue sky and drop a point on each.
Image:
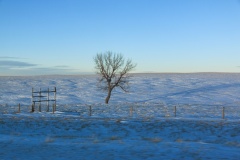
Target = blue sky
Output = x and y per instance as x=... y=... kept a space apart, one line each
x=63 y=36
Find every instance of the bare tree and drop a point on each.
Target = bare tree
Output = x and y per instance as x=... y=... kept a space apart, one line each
x=113 y=72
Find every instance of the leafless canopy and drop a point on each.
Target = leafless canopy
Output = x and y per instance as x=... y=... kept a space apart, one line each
x=113 y=71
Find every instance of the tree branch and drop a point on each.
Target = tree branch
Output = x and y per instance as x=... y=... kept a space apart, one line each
x=113 y=71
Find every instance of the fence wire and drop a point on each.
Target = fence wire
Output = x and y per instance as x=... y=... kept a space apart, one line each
x=197 y=111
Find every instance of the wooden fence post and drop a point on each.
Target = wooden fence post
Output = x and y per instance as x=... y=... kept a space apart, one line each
x=40 y=96
x=33 y=103
x=19 y=108
x=53 y=108
x=131 y=111
x=175 y=111
x=55 y=97
x=48 y=100
x=90 y=110
x=33 y=106
x=223 y=112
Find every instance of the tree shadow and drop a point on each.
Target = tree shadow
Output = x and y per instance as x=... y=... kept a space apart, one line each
x=189 y=92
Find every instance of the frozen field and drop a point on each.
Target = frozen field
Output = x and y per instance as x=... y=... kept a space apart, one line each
x=208 y=88
x=137 y=125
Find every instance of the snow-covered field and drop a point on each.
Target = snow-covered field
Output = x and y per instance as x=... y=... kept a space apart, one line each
x=137 y=125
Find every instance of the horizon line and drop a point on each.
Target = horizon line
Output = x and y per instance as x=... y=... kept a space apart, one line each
x=92 y=73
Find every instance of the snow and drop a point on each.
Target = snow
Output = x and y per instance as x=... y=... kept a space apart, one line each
x=140 y=124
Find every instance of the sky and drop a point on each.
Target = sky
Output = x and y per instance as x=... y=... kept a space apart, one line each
x=42 y=37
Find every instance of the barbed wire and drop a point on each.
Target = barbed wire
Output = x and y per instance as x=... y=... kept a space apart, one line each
x=135 y=110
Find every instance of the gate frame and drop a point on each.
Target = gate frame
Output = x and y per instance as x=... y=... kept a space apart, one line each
x=38 y=94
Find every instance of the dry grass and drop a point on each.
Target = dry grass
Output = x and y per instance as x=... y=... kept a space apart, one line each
x=113 y=138
x=179 y=140
x=153 y=140
x=49 y=140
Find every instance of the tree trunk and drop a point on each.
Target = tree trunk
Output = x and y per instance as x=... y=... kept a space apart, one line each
x=108 y=96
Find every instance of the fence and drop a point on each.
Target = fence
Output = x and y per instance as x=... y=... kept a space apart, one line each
x=44 y=96
x=141 y=111
x=155 y=111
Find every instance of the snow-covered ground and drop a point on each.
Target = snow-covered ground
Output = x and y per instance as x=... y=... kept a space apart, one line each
x=138 y=125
